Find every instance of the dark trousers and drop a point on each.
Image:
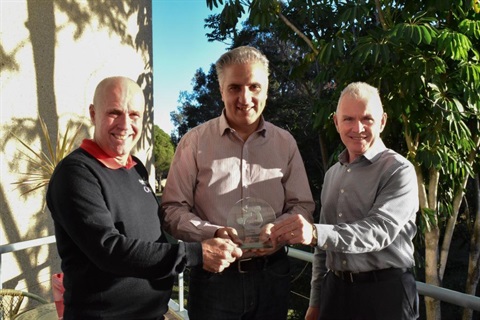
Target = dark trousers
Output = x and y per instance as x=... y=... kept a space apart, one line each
x=232 y=295
x=375 y=298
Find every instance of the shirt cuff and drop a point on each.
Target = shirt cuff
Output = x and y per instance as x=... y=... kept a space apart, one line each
x=325 y=232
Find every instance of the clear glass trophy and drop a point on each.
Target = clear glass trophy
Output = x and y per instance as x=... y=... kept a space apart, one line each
x=248 y=216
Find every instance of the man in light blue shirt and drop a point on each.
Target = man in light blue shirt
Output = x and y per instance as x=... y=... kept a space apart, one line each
x=363 y=244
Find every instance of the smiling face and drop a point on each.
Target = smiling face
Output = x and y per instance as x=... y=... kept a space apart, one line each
x=359 y=121
x=244 y=90
x=117 y=114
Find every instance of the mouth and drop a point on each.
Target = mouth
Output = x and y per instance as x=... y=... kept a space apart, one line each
x=245 y=109
x=358 y=138
x=121 y=136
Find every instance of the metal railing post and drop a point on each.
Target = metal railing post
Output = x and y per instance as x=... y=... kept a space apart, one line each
x=181 y=290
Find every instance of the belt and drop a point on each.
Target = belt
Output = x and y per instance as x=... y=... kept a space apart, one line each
x=256 y=264
x=370 y=276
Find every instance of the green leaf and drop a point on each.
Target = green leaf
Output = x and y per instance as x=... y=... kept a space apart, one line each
x=470 y=28
x=427 y=37
x=458 y=105
x=417 y=35
x=454 y=45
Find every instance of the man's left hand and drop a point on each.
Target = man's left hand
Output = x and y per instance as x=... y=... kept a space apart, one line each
x=293 y=230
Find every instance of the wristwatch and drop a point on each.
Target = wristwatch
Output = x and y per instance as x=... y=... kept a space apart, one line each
x=314 y=236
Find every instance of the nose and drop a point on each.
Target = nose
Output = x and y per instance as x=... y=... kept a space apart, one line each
x=123 y=121
x=358 y=126
x=245 y=96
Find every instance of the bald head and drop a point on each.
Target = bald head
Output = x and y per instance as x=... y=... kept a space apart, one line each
x=113 y=84
x=117 y=114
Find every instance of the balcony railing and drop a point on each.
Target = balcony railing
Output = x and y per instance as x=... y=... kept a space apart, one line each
x=438 y=293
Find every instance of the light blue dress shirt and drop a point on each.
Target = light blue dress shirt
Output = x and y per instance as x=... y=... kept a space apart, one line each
x=367 y=220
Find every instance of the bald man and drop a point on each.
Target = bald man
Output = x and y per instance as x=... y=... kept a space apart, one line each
x=116 y=260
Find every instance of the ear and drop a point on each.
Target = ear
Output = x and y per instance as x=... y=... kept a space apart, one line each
x=335 y=121
x=383 y=122
x=91 y=110
x=221 y=92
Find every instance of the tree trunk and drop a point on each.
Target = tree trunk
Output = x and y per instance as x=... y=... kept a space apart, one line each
x=432 y=306
x=432 y=238
x=474 y=258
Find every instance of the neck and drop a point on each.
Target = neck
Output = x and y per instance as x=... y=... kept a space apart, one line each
x=246 y=131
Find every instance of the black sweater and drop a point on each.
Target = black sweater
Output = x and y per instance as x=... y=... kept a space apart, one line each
x=117 y=263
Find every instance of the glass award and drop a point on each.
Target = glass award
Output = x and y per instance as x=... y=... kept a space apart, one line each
x=248 y=216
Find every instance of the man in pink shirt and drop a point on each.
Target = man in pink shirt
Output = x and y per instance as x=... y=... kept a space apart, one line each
x=232 y=157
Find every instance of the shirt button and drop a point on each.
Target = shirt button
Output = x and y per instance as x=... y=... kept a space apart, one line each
x=344 y=262
x=348 y=170
x=325 y=246
x=340 y=214
x=342 y=191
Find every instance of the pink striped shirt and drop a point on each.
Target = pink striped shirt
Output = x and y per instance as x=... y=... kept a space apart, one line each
x=213 y=168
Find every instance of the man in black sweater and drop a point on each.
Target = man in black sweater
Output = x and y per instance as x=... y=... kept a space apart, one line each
x=116 y=261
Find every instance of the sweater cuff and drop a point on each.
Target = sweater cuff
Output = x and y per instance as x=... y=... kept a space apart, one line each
x=194 y=253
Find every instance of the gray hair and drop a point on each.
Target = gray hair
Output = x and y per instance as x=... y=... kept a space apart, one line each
x=240 y=55
x=362 y=91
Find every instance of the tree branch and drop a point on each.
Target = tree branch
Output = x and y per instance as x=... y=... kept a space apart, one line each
x=457 y=201
x=298 y=32
x=380 y=14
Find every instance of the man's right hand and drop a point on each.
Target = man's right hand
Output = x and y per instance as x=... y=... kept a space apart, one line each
x=219 y=253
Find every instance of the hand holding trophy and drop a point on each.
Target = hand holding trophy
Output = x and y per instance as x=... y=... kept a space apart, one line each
x=249 y=216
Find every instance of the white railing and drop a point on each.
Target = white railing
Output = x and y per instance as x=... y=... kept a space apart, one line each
x=438 y=293
x=428 y=290
x=18 y=246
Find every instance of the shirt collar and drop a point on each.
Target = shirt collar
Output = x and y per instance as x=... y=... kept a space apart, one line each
x=94 y=150
x=371 y=154
x=225 y=126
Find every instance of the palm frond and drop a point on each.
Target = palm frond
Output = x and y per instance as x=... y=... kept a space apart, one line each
x=41 y=164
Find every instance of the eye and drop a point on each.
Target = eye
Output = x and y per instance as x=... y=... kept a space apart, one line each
x=233 y=88
x=368 y=121
x=255 y=87
x=135 y=115
x=114 y=113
